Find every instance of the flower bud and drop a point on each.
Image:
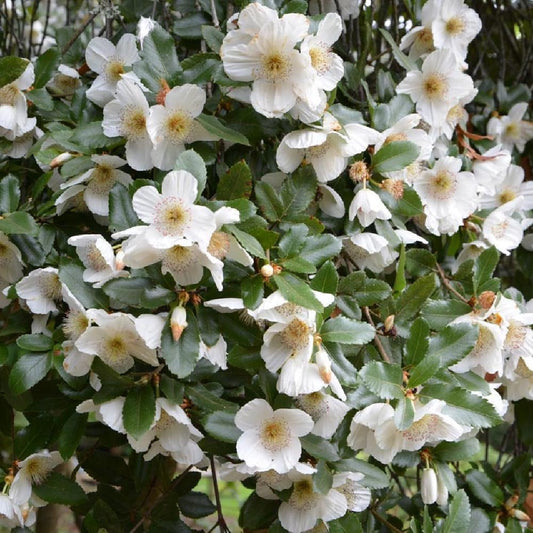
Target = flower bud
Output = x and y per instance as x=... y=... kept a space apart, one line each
x=119 y=260
x=428 y=486
x=267 y=271
x=519 y=515
x=324 y=365
x=60 y=159
x=442 y=491
x=178 y=322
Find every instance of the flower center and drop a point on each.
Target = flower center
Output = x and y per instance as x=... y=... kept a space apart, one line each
x=172 y=216
x=425 y=36
x=516 y=335
x=75 y=324
x=313 y=404
x=37 y=470
x=133 y=123
x=320 y=58
x=395 y=137
x=165 y=421
x=288 y=309
x=435 y=86
x=498 y=230
x=443 y=185
x=506 y=196
x=8 y=94
x=178 y=125
x=95 y=259
x=296 y=334
x=51 y=286
x=66 y=83
x=303 y=497
x=512 y=130
x=114 y=70
x=455 y=113
x=275 y=67
x=422 y=429
x=115 y=348
x=316 y=152
x=178 y=258
x=275 y=434
x=219 y=244
x=102 y=179
x=523 y=370
x=455 y=26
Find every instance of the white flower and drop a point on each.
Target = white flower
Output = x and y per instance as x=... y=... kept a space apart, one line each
x=270 y=439
x=32 y=471
x=10 y=514
x=116 y=340
x=41 y=289
x=455 y=27
x=326 y=411
x=357 y=496
x=509 y=186
x=510 y=130
x=428 y=486
x=370 y=250
x=419 y=40
x=437 y=87
x=305 y=506
x=215 y=354
x=326 y=148
x=98 y=258
x=108 y=61
x=448 y=195
x=490 y=173
x=126 y=116
x=328 y=65
x=98 y=183
x=172 y=125
x=65 y=82
x=10 y=261
x=280 y=73
x=367 y=206
x=172 y=216
x=330 y=201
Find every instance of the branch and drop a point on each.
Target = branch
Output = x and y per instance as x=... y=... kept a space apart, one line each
x=448 y=285
x=377 y=341
x=221 y=523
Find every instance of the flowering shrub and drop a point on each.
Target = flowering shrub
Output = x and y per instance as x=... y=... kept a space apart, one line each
x=233 y=243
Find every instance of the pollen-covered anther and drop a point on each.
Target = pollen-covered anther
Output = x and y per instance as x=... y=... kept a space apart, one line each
x=75 y=324
x=435 y=86
x=172 y=216
x=443 y=185
x=320 y=57
x=495 y=318
x=9 y=94
x=275 y=67
x=219 y=244
x=133 y=122
x=51 y=286
x=296 y=334
x=486 y=299
x=177 y=126
x=114 y=70
x=394 y=137
x=275 y=434
x=359 y=172
x=455 y=25
x=394 y=187
x=303 y=496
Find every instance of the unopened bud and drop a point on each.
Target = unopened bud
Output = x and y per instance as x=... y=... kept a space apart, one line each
x=162 y=94
x=178 y=322
x=359 y=172
x=389 y=323
x=267 y=271
x=486 y=299
x=428 y=486
x=393 y=187
x=442 y=491
x=60 y=159
x=519 y=515
x=324 y=365
x=511 y=501
x=119 y=260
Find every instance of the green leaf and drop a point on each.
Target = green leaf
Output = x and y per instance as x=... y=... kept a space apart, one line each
x=323 y=479
x=458 y=516
x=268 y=201
x=28 y=371
x=383 y=379
x=11 y=68
x=71 y=434
x=9 y=194
x=128 y=291
x=201 y=68
x=484 y=488
x=319 y=448
x=454 y=342
x=41 y=99
x=192 y=162
x=386 y=115
x=424 y=370
x=60 y=489
x=367 y=291
x=235 y=183
x=139 y=411
x=319 y=248
x=403 y=60
x=326 y=279
x=252 y=290
x=349 y=523
x=181 y=356
x=35 y=343
x=90 y=135
x=257 y=513
x=298 y=191
x=159 y=53
x=292 y=241
x=297 y=291
x=462 y=405
x=294 y=6
x=206 y=400
x=248 y=242
x=298 y=265
x=190 y=26
x=374 y=478
x=484 y=267
x=417 y=343
x=346 y=331
x=414 y=297
x=419 y=262
x=394 y=156
x=457 y=451
x=18 y=223
x=439 y=313
x=221 y=426
x=213 y=37
x=45 y=67
x=196 y=505
x=121 y=213
x=71 y=274
x=33 y=437
x=404 y=413
x=216 y=127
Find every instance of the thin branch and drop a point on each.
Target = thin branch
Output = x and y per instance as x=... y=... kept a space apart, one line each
x=448 y=285
x=221 y=523
x=377 y=342
x=385 y=522
x=214 y=15
x=66 y=48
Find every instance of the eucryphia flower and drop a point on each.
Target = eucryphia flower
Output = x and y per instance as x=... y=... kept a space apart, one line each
x=327 y=412
x=108 y=61
x=373 y=429
x=437 y=87
x=490 y=172
x=508 y=187
x=32 y=471
x=369 y=250
x=511 y=130
x=172 y=125
x=428 y=486
x=270 y=439
x=280 y=73
x=41 y=289
x=65 y=82
x=125 y=116
x=367 y=206
x=10 y=266
x=97 y=183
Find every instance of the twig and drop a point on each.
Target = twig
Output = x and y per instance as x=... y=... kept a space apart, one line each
x=377 y=342
x=221 y=523
x=385 y=522
x=214 y=15
x=66 y=48
x=447 y=284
